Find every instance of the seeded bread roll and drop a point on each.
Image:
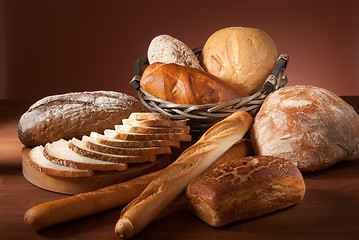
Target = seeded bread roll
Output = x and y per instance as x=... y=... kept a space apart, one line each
x=74 y=115
x=243 y=57
x=244 y=188
x=167 y=49
x=309 y=126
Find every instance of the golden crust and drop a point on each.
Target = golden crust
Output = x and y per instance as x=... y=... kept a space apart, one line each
x=244 y=188
x=243 y=57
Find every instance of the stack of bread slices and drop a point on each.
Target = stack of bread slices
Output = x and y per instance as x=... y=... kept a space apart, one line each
x=137 y=142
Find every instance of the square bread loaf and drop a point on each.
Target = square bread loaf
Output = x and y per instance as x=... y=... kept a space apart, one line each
x=244 y=188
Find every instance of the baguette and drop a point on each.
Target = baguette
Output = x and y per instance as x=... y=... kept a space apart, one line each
x=84 y=204
x=174 y=179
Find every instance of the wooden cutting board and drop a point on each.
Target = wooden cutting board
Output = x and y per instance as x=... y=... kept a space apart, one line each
x=77 y=185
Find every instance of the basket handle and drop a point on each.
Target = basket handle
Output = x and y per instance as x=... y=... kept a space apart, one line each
x=277 y=78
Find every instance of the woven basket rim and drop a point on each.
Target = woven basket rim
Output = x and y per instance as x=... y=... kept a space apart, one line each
x=208 y=114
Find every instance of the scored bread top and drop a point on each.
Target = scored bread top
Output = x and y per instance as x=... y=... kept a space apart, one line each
x=37 y=160
x=242 y=175
x=58 y=152
x=244 y=188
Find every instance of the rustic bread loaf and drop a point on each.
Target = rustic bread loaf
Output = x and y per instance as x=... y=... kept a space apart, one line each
x=243 y=57
x=59 y=153
x=37 y=160
x=309 y=126
x=167 y=49
x=184 y=85
x=244 y=188
x=74 y=115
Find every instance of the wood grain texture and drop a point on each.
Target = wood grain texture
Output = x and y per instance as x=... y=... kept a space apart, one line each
x=330 y=209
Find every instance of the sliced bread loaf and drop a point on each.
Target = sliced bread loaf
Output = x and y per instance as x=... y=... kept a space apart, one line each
x=58 y=152
x=146 y=137
x=147 y=116
x=150 y=130
x=155 y=123
x=77 y=146
x=38 y=161
x=91 y=143
x=110 y=141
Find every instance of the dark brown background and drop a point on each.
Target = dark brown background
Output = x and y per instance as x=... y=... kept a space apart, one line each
x=50 y=47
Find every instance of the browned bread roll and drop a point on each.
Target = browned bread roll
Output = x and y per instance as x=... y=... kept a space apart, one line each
x=185 y=85
x=244 y=188
x=74 y=115
x=243 y=57
x=309 y=126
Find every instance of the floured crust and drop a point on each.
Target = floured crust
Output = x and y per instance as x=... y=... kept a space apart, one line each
x=167 y=49
x=244 y=188
x=73 y=115
x=309 y=126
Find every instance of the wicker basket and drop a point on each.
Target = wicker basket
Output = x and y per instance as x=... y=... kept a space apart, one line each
x=201 y=117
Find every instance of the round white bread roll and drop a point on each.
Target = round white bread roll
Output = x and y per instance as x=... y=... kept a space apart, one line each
x=167 y=49
x=309 y=126
x=243 y=57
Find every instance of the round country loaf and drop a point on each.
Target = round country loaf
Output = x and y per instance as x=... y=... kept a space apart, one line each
x=243 y=57
x=309 y=126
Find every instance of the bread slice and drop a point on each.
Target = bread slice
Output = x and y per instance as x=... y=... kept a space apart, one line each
x=38 y=161
x=58 y=152
x=91 y=143
x=150 y=130
x=146 y=137
x=77 y=146
x=110 y=141
x=155 y=123
x=148 y=115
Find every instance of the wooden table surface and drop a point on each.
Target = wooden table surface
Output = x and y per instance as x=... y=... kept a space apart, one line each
x=330 y=209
